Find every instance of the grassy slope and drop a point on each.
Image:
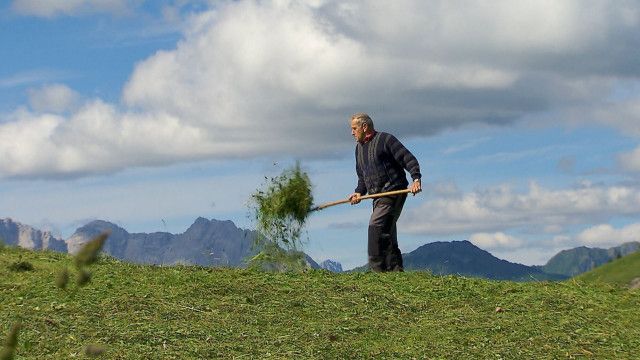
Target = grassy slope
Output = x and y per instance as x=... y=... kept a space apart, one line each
x=619 y=272
x=189 y=312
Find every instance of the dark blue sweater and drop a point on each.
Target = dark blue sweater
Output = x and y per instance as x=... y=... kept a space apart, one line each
x=381 y=162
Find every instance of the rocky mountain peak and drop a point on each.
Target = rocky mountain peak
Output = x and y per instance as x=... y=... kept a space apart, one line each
x=18 y=234
x=331 y=265
x=92 y=229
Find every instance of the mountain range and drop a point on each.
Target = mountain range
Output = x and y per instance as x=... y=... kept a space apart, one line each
x=205 y=242
x=466 y=259
x=582 y=259
x=221 y=243
x=14 y=233
x=331 y=265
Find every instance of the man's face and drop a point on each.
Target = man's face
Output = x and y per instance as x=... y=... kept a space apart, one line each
x=358 y=131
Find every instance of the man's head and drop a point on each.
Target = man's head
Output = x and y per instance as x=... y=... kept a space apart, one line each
x=361 y=125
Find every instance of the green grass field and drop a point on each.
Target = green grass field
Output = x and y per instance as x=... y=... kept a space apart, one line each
x=147 y=312
x=619 y=272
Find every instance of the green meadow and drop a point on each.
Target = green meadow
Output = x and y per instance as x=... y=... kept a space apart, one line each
x=619 y=272
x=132 y=311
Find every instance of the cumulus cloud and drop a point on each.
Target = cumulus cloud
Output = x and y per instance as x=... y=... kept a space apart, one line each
x=500 y=209
x=254 y=78
x=52 y=8
x=499 y=240
x=530 y=226
x=55 y=98
x=605 y=235
x=96 y=138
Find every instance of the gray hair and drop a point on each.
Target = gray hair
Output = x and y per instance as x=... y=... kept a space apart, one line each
x=362 y=118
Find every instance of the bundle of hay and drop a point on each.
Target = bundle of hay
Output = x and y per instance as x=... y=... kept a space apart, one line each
x=280 y=209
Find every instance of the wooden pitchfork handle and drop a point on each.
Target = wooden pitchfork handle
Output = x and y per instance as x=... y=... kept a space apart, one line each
x=372 y=196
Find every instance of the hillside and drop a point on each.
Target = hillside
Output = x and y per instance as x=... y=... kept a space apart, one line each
x=142 y=311
x=618 y=272
x=581 y=259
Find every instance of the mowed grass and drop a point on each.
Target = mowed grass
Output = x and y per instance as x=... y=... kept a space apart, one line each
x=619 y=272
x=147 y=312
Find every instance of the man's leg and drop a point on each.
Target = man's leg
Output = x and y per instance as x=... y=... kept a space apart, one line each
x=393 y=260
x=377 y=245
x=378 y=237
x=394 y=255
x=386 y=211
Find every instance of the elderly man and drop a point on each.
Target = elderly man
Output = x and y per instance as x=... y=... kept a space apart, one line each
x=381 y=161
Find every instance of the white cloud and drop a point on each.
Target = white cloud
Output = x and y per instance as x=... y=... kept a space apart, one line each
x=254 y=78
x=499 y=240
x=500 y=209
x=250 y=66
x=96 y=138
x=630 y=161
x=56 y=98
x=605 y=235
x=52 y=8
x=545 y=220
x=526 y=255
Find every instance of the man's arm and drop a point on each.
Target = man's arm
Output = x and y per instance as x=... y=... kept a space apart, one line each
x=409 y=162
x=361 y=188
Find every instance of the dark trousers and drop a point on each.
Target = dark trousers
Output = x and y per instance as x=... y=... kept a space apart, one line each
x=384 y=253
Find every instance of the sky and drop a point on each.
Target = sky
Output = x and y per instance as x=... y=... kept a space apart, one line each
x=524 y=116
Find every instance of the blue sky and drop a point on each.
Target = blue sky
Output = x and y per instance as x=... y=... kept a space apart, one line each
x=524 y=115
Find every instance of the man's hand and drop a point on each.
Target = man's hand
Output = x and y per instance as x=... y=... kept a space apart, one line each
x=415 y=187
x=354 y=198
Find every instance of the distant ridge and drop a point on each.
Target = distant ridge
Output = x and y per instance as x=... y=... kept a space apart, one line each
x=578 y=260
x=221 y=243
x=331 y=265
x=25 y=236
x=464 y=258
x=205 y=242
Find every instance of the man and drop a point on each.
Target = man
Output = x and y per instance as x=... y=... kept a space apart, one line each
x=381 y=161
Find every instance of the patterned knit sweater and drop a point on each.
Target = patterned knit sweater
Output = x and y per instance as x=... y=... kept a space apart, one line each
x=381 y=162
